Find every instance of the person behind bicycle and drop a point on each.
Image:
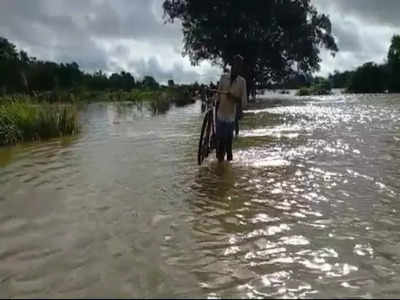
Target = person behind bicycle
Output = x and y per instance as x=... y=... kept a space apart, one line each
x=232 y=93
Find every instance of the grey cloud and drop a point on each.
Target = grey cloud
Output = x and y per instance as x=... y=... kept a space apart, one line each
x=369 y=11
x=347 y=35
x=363 y=29
x=66 y=30
x=48 y=35
x=70 y=30
x=123 y=19
x=153 y=68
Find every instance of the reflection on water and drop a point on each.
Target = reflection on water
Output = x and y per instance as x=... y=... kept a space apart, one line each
x=308 y=208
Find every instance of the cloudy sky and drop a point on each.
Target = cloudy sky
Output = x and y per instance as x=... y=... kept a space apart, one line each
x=131 y=35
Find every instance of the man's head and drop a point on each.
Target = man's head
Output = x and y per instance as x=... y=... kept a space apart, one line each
x=237 y=65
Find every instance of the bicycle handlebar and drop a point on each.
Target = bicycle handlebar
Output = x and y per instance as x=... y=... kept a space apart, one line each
x=218 y=91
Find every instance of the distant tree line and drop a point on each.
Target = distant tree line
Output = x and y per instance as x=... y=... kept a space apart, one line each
x=367 y=78
x=20 y=73
x=372 y=77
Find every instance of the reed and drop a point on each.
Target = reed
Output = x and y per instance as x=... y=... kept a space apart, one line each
x=22 y=120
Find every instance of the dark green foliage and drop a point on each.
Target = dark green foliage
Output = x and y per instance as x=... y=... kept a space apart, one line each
x=123 y=81
x=372 y=77
x=11 y=67
x=394 y=64
x=340 y=80
x=20 y=73
x=97 y=81
x=294 y=81
x=50 y=82
x=273 y=36
x=369 y=78
x=319 y=87
x=149 y=83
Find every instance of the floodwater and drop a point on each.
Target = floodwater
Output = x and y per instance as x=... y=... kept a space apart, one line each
x=308 y=208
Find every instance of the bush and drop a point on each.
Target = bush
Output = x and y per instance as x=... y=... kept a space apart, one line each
x=369 y=78
x=22 y=121
x=318 y=89
x=304 y=92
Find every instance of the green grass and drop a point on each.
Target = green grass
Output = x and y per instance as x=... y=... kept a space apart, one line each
x=158 y=101
x=161 y=100
x=53 y=114
x=315 y=90
x=23 y=120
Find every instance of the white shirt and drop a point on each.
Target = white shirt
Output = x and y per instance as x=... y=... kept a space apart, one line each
x=227 y=105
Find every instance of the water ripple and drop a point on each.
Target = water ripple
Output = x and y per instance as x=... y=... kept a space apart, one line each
x=306 y=209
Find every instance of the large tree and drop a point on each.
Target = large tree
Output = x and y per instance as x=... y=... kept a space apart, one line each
x=369 y=78
x=394 y=64
x=276 y=37
x=150 y=83
x=12 y=65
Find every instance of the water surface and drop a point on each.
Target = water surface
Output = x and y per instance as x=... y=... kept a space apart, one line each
x=308 y=208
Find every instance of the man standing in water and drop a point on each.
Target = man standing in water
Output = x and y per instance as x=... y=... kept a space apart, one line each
x=232 y=93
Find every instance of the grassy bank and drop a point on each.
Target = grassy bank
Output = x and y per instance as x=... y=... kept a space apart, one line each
x=23 y=120
x=158 y=100
x=53 y=114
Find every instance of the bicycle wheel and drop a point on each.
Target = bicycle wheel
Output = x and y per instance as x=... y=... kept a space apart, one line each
x=204 y=140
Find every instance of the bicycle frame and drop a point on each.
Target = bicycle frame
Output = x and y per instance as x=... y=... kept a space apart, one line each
x=207 y=141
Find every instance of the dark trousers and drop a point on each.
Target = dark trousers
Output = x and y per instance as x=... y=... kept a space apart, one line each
x=224 y=140
x=238 y=117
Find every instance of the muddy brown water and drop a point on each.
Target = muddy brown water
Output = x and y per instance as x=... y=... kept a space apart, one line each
x=308 y=208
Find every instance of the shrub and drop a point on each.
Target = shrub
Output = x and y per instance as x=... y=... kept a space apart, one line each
x=23 y=120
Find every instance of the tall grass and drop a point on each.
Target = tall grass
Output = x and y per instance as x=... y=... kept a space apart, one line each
x=23 y=120
x=157 y=100
x=160 y=101
x=159 y=105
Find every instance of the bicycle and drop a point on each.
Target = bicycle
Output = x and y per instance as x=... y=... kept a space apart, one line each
x=207 y=142
x=208 y=139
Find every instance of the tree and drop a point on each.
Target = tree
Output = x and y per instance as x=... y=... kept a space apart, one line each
x=171 y=83
x=10 y=78
x=394 y=64
x=369 y=78
x=150 y=83
x=97 y=81
x=7 y=51
x=276 y=37
x=124 y=81
x=69 y=75
x=340 y=80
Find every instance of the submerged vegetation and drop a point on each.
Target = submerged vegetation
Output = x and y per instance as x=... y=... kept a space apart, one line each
x=67 y=82
x=37 y=98
x=51 y=82
x=26 y=118
x=22 y=120
x=178 y=95
x=319 y=88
